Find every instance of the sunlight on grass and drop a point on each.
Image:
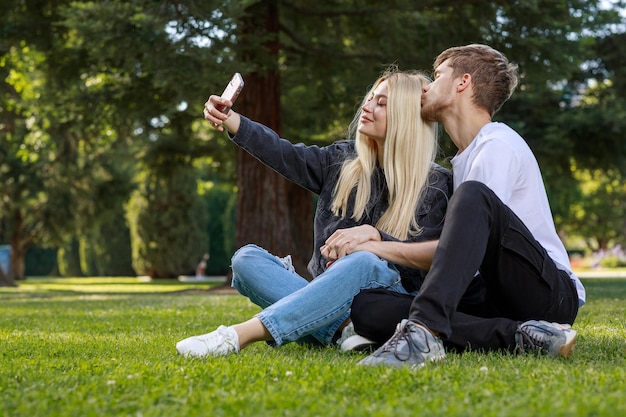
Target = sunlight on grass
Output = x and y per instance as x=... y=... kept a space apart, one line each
x=105 y=285
x=106 y=347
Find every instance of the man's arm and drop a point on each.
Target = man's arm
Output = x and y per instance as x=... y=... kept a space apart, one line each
x=412 y=254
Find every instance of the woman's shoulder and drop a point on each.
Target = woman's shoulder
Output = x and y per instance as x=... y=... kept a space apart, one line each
x=440 y=172
x=340 y=150
x=344 y=145
x=441 y=179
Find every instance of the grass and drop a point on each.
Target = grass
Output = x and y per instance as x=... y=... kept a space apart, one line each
x=105 y=347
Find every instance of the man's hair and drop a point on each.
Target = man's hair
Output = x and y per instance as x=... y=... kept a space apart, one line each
x=493 y=76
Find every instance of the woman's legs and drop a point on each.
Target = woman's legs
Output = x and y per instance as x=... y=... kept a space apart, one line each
x=322 y=306
x=295 y=308
x=262 y=277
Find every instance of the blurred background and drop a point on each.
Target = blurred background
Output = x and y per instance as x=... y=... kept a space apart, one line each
x=108 y=169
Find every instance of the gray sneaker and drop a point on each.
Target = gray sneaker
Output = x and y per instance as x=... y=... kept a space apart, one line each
x=221 y=342
x=539 y=336
x=411 y=345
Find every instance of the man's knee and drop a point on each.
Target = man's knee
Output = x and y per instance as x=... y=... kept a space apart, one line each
x=473 y=195
x=376 y=312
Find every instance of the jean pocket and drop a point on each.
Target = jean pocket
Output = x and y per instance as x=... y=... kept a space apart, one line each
x=528 y=253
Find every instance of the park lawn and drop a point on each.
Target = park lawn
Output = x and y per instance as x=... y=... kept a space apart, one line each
x=105 y=347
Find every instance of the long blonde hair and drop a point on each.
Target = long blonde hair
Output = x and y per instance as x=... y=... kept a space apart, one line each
x=409 y=152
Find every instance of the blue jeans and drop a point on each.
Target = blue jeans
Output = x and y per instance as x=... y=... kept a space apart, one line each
x=295 y=308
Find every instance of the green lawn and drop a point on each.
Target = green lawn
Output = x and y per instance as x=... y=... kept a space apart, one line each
x=105 y=347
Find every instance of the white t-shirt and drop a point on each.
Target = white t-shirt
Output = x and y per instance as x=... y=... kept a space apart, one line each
x=501 y=159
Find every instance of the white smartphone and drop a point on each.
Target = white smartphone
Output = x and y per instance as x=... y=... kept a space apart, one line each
x=232 y=90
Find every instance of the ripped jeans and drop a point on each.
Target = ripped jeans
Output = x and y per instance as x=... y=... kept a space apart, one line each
x=295 y=309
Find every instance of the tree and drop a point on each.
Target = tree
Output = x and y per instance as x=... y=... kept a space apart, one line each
x=599 y=217
x=271 y=211
x=88 y=82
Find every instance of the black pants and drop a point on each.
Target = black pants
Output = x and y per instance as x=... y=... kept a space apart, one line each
x=517 y=281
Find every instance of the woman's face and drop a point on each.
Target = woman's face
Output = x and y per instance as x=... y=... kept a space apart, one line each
x=373 y=122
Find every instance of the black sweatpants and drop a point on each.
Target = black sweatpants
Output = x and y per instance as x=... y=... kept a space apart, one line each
x=517 y=281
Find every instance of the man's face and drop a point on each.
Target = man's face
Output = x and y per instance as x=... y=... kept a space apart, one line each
x=439 y=95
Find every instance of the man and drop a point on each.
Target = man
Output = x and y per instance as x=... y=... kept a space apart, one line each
x=499 y=278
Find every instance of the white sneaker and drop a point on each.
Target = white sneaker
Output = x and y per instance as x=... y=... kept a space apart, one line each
x=351 y=341
x=221 y=342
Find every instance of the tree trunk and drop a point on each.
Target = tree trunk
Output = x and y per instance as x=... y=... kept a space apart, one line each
x=17 y=270
x=6 y=280
x=271 y=212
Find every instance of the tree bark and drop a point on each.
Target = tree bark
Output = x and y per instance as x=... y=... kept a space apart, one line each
x=6 y=280
x=272 y=212
x=18 y=252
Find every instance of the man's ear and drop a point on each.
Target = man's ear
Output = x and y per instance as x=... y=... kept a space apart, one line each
x=464 y=82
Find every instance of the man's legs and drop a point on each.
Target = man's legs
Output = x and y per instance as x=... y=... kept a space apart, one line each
x=375 y=314
x=521 y=280
x=522 y=283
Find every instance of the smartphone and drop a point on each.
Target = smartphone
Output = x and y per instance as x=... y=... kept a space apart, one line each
x=232 y=90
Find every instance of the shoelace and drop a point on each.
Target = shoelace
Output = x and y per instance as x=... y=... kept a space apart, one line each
x=534 y=337
x=403 y=334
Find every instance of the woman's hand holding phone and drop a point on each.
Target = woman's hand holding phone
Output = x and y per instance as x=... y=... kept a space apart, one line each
x=217 y=108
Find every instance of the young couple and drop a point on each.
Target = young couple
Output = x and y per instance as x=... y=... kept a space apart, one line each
x=493 y=276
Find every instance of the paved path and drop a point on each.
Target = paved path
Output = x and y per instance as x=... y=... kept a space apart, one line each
x=601 y=273
x=193 y=278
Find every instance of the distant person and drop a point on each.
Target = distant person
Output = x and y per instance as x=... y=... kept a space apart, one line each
x=498 y=234
x=201 y=268
x=382 y=184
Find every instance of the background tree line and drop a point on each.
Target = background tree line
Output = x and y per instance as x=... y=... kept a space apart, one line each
x=107 y=165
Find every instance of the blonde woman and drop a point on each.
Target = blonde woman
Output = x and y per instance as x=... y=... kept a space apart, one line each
x=382 y=184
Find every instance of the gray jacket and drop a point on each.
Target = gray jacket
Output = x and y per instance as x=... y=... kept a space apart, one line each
x=317 y=170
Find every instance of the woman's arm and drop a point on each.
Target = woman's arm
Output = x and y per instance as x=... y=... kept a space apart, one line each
x=307 y=166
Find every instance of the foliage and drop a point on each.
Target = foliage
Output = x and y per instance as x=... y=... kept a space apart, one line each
x=599 y=216
x=94 y=93
x=107 y=248
x=41 y=262
x=614 y=257
x=68 y=259
x=107 y=349
x=220 y=199
x=167 y=221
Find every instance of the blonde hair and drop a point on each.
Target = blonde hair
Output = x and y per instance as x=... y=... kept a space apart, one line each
x=409 y=152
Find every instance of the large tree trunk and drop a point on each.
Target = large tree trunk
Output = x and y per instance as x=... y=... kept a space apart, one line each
x=271 y=211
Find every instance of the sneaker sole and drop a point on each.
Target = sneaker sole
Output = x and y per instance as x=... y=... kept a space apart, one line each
x=357 y=343
x=567 y=348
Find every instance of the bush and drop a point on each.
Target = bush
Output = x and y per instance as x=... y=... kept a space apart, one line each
x=40 y=262
x=106 y=250
x=168 y=222
x=68 y=259
x=221 y=202
x=611 y=258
